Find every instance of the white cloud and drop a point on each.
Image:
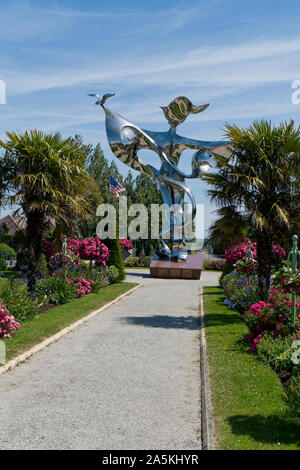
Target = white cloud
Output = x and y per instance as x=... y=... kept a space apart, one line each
x=170 y=19
x=22 y=19
x=250 y=64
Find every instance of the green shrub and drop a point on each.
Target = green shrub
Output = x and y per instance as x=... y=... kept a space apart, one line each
x=98 y=276
x=115 y=256
x=292 y=397
x=7 y=251
x=149 y=249
x=138 y=262
x=216 y=265
x=112 y=274
x=243 y=299
x=14 y=296
x=276 y=351
x=43 y=266
x=3 y=264
x=57 y=290
x=227 y=269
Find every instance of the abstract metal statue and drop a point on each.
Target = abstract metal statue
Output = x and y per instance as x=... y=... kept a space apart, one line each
x=126 y=139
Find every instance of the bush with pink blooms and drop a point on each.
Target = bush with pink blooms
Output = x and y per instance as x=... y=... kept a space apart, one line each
x=89 y=249
x=126 y=244
x=240 y=251
x=8 y=324
x=278 y=253
x=273 y=317
x=82 y=286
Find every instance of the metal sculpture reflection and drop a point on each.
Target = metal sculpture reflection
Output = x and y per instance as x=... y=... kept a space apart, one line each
x=126 y=139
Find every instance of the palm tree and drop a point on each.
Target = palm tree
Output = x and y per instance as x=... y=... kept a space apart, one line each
x=229 y=228
x=260 y=183
x=45 y=175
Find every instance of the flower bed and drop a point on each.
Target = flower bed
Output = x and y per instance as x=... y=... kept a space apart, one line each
x=84 y=277
x=272 y=335
x=77 y=273
x=241 y=290
x=247 y=397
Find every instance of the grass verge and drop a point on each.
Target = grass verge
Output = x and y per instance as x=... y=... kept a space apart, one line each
x=248 y=410
x=136 y=267
x=52 y=321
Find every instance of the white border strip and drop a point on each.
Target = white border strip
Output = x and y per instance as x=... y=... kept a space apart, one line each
x=52 y=339
x=207 y=427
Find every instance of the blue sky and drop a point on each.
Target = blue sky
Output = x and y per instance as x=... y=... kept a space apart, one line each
x=240 y=56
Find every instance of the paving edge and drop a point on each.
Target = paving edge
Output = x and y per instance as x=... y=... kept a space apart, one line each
x=207 y=426
x=52 y=339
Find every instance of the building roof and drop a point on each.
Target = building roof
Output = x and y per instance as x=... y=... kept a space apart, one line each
x=13 y=223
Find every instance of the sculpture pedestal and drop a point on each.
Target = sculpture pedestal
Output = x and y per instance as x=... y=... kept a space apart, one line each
x=189 y=269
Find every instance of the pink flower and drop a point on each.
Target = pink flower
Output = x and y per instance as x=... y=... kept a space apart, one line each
x=89 y=249
x=8 y=322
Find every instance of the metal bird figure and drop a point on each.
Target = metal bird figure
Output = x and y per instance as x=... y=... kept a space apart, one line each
x=105 y=97
x=100 y=101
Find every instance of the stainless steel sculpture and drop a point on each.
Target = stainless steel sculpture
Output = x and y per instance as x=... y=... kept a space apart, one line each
x=126 y=139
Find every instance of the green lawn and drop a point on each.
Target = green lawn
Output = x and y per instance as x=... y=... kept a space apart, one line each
x=247 y=395
x=53 y=320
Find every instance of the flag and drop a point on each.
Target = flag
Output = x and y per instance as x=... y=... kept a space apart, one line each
x=115 y=187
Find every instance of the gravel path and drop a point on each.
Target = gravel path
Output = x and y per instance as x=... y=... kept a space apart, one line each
x=126 y=379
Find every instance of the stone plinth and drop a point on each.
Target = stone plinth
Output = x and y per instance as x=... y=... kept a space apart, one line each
x=189 y=269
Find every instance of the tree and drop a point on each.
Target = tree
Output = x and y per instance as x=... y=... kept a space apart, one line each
x=100 y=170
x=260 y=183
x=45 y=175
x=83 y=227
x=142 y=189
x=228 y=229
